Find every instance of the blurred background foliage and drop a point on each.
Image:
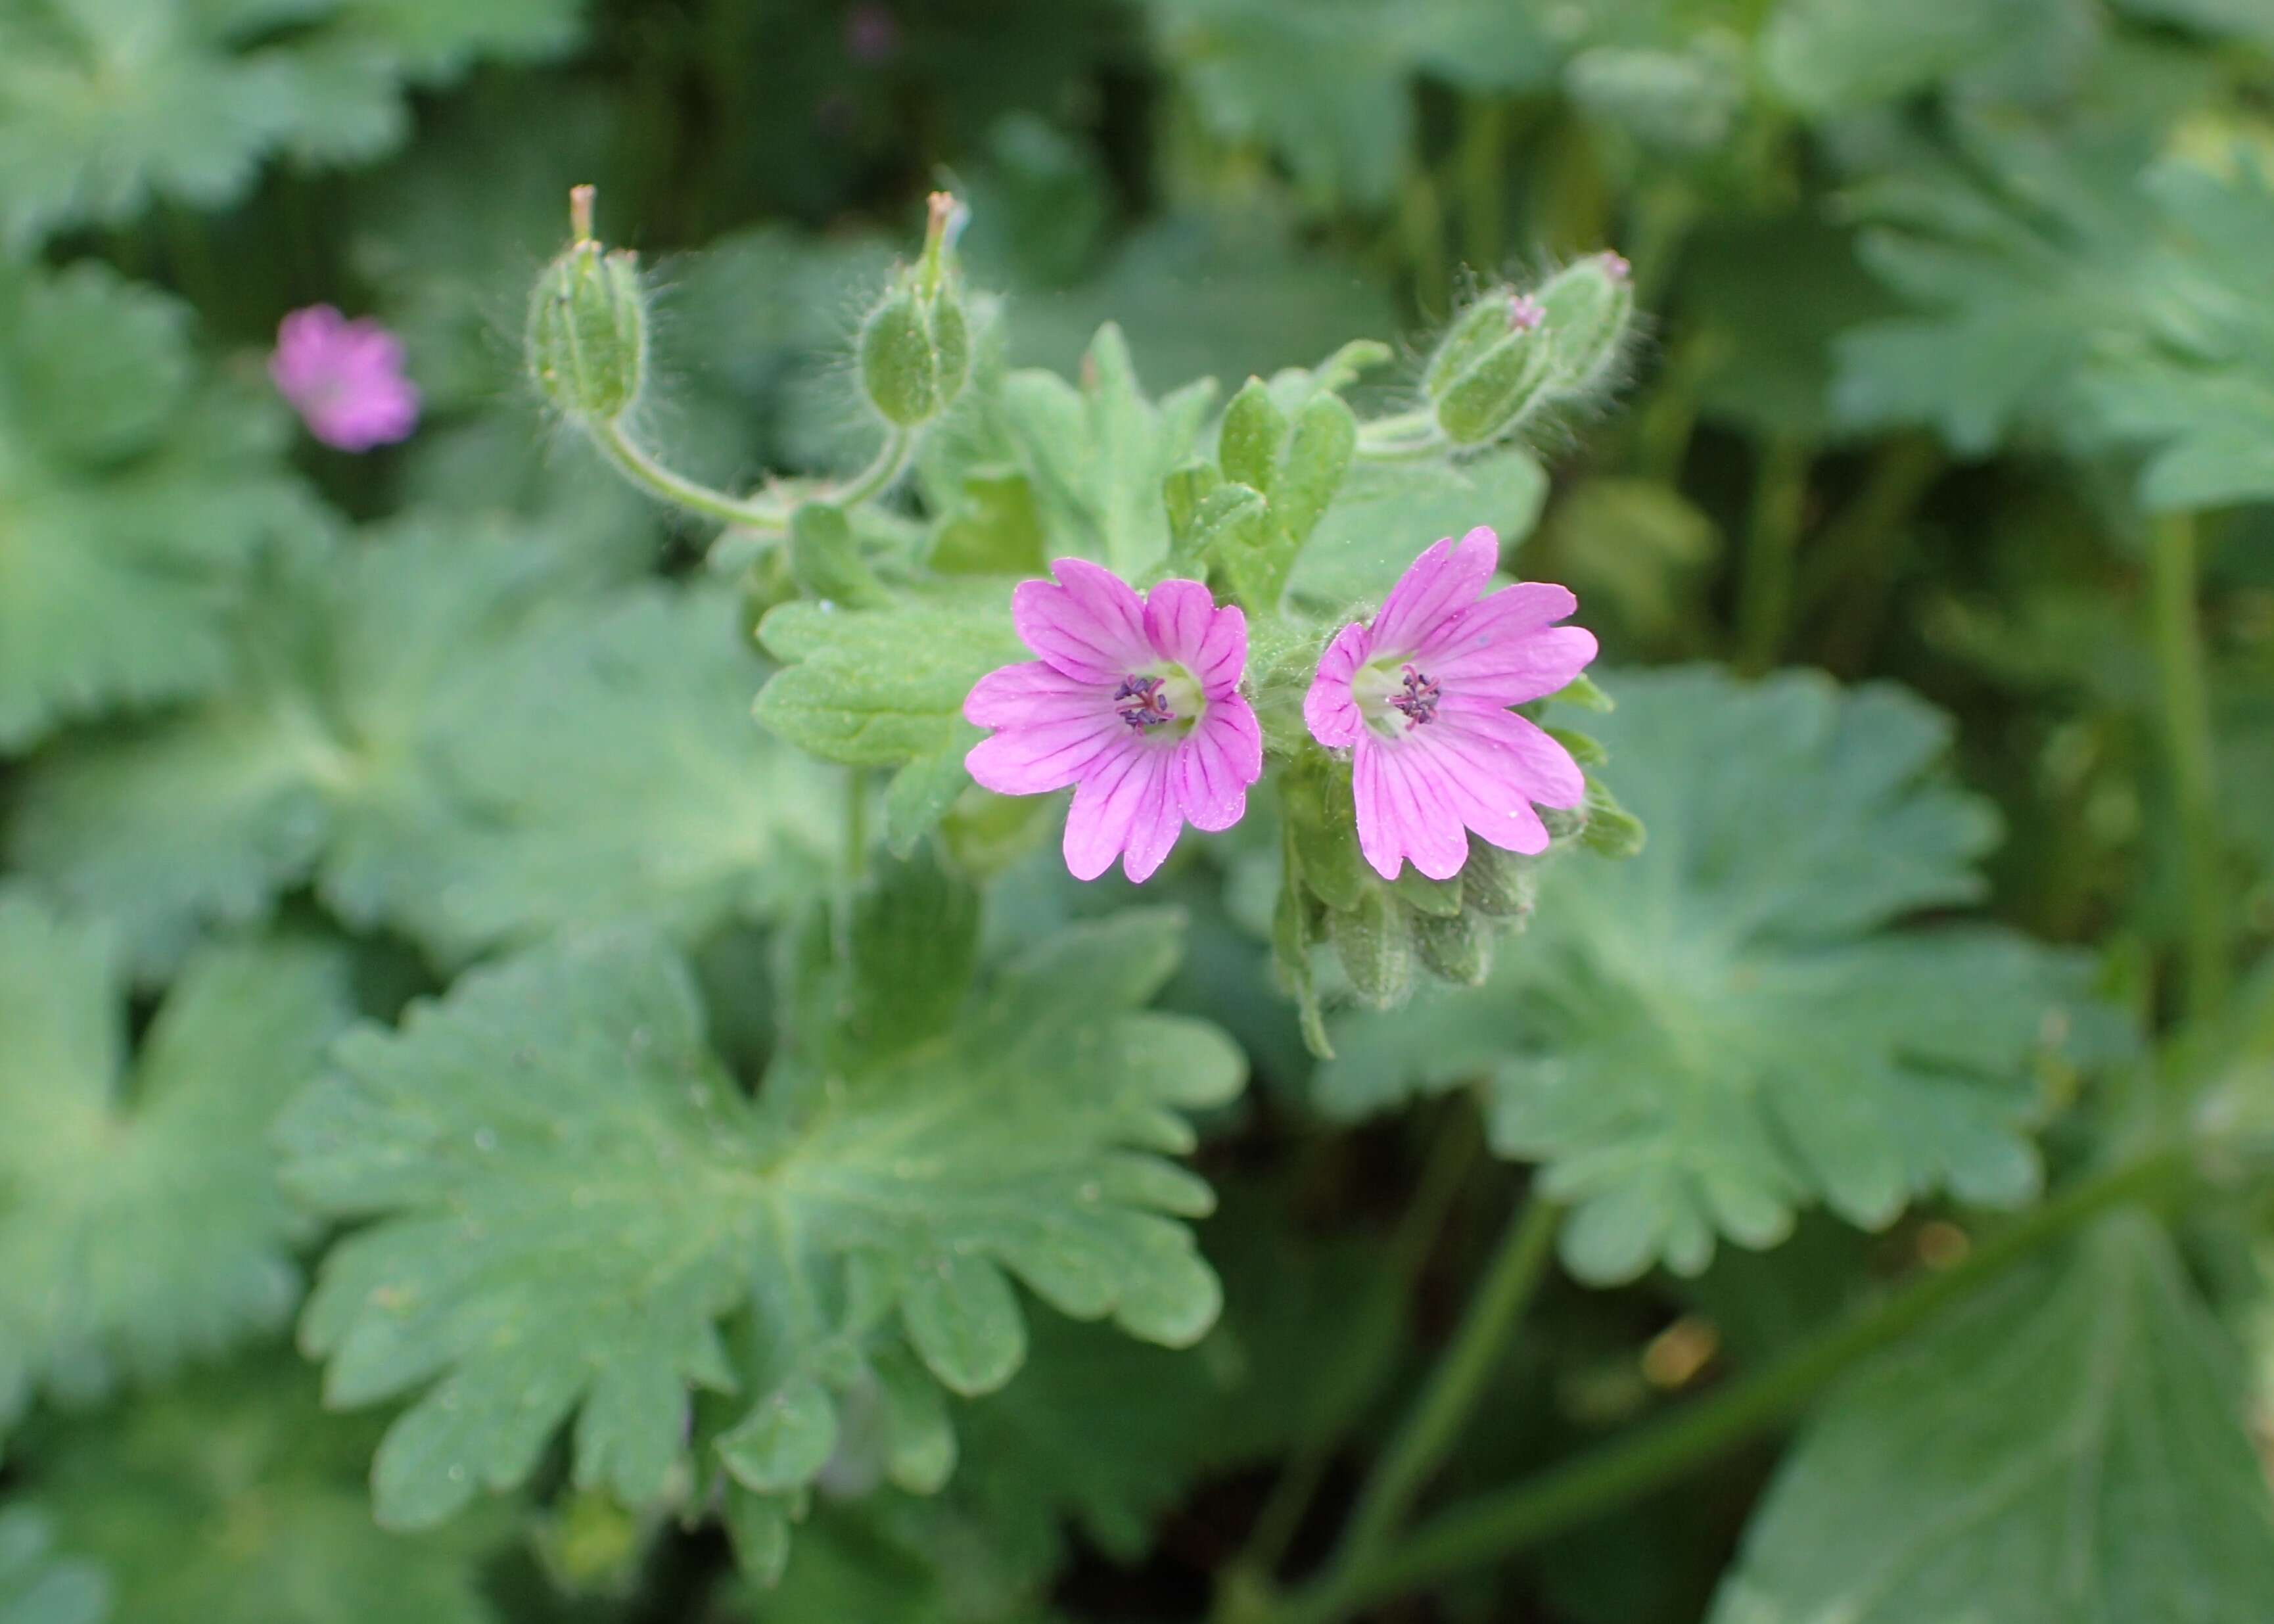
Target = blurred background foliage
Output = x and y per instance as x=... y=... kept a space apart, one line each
x=1960 y=376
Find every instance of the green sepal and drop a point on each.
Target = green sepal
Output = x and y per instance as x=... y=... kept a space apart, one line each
x=1375 y=946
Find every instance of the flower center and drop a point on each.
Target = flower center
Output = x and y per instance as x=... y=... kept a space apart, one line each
x=1165 y=698
x=1395 y=696
x=1418 y=703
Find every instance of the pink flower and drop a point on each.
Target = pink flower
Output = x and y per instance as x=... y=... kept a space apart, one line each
x=1420 y=698
x=344 y=379
x=1135 y=702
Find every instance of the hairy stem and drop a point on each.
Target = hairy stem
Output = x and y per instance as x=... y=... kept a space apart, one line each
x=2178 y=635
x=636 y=465
x=1458 y=1380
x=1494 y=1525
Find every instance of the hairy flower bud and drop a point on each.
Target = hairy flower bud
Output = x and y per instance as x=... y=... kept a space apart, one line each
x=588 y=324
x=1589 y=307
x=1490 y=369
x=915 y=346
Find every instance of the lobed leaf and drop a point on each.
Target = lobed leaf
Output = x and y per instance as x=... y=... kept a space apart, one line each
x=2068 y=1446
x=569 y=1195
x=140 y=1221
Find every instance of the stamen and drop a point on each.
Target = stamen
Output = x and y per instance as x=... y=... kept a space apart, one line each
x=1140 y=703
x=1418 y=703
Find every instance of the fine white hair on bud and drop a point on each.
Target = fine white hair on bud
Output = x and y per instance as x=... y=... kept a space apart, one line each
x=588 y=324
x=915 y=345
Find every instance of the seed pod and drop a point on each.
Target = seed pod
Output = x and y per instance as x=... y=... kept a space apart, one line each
x=1589 y=307
x=1489 y=369
x=915 y=346
x=587 y=342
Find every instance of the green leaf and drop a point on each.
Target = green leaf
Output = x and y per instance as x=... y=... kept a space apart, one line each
x=233 y=1496
x=1826 y=57
x=105 y=107
x=825 y=559
x=38 y=1586
x=568 y=1194
x=400 y=722
x=1387 y=513
x=140 y=1221
x=2069 y=1445
x=886 y=686
x=1095 y=455
x=1699 y=1040
x=137 y=488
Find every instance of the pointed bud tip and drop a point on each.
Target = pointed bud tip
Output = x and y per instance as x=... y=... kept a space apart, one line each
x=1524 y=311
x=580 y=212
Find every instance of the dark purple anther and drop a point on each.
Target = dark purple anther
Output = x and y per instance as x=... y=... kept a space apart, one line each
x=1418 y=703
x=1139 y=701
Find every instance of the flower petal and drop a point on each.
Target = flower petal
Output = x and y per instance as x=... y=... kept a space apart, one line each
x=1034 y=760
x=1503 y=650
x=1328 y=710
x=1177 y=615
x=1032 y=692
x=1089 y=624
x=1505 y=749
x=1404 y=811
x=1222 y=658
x=1118 y=790
x=1154 y=830
x=1436 y=586
x=1217 y=763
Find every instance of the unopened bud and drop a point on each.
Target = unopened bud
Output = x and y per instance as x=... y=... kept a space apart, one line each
x=915 y=346
x=1590 y=305
x=1489 y=369
x=1501 y=884
x=588 y=324
x=1456 y=948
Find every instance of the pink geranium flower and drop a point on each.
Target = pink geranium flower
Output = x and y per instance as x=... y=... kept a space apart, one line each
x=1420 y=697
x=344 y=378
x=1135 y=702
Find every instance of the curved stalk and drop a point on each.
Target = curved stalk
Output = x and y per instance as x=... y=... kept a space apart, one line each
x=752 y=512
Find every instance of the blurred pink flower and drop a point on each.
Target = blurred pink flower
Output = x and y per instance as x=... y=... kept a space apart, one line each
x=872 y=33
x=1420 y=696
x=344 y=378
x=1135 y=702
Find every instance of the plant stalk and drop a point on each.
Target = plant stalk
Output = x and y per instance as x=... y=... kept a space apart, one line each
x=1458 y=1380
x=753 y=513
x=2174 y=581
x=1494 y=1525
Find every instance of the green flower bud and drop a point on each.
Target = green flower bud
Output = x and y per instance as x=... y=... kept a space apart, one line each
x=1501 y=884
x=1376 y=944
x=1456 y=948
x=915 y=346
x=1490 y=369
x=1589 y=307
x=588 y=324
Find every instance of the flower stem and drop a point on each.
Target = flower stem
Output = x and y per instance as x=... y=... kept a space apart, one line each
x=1458 y=1382
x=1493 y=1525
x=1772 y=539
x=1451 y=1151
x=643 y=470
x=636 y=463
x=2178 y=634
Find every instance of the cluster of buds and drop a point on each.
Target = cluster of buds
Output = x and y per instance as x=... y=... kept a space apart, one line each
x=1512 y=353
x=587 y=341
